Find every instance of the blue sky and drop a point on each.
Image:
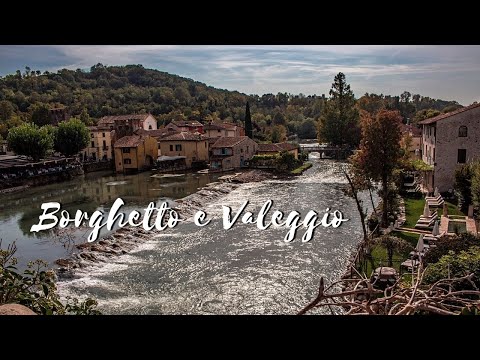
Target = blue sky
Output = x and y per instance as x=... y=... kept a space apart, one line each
x=445 y=72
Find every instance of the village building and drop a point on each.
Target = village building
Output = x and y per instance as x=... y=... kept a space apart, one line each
x=232 y=152
x=125 y=125
x=216 y=130
x=58 y=114
x=277 y=148
x=193 y=146
x=181 y=126
x=449 y=140
x=100 y=144
x=135 y=153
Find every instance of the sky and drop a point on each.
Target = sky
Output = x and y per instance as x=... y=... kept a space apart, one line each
x=440 y=71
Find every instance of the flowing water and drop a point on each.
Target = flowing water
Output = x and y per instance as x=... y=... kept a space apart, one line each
x=244 y=270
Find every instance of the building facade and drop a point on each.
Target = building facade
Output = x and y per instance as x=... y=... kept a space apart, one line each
x=100 y=144
x=194 y=146
x=229 y=153
x=217 y=130
x=135 y=153
x=448 y=141
x=181 y=126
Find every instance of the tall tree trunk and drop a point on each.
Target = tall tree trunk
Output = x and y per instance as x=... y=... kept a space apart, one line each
x=359 y=206
x=371 y=198
x=385 y=201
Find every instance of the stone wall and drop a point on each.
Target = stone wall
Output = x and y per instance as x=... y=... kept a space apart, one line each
x=448 y=142
x=98 y=166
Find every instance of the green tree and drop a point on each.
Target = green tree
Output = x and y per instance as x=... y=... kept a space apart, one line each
x=6 y=110
x=71 y=137
x=40 y=114
x=380 y=151
x=30 y=140
x=307 y=129
x=463 y=185
x=475 y=183
x=248 y=122
x=85 y=118
x=286 y=162
x=278 y=134
x=392 y=244
x=339 y=122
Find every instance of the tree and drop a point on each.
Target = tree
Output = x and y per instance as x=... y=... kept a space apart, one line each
x=475 y=186
x=338 y=123
x=30 y=140
x=380 y=151
x=71 y=137
x=40 y=114
x=85 y=118
x=307 y=129
x=463 y=185
x=278 y=134
x=392 y=244
x=6 y=110
x=248 y=122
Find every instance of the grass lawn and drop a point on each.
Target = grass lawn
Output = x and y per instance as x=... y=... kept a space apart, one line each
x=301 y=169
x=414 y=209
x=380 y=257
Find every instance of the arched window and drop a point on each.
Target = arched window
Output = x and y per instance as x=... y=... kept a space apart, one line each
x=462 y=131
x=149 y=127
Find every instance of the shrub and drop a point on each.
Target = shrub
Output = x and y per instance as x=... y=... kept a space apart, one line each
x=447 y=244
x=36 y=288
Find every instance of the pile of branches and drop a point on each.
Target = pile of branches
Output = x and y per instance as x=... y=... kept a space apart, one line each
x=360 y=296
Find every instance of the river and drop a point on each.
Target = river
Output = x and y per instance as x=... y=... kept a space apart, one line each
x=244 y=270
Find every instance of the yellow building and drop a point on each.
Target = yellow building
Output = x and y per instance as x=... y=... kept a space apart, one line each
x=134 y=153
x=273 y=149
x=193 y=146
x=100 y=144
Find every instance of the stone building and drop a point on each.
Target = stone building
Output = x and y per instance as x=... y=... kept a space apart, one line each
x=274 y=149
x=181 y=126
x=229 y=153
x=216 y=130
x=193 y=146
x=100 y=144
x=135 y=153
x=449 y=140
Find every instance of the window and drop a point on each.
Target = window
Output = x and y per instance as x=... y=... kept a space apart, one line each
x=247 y=148
x=93 y=144
x=104 y=144
x=462 y=156
x=205 y=144
x=91 y=135
x=178 y=147
x=171 y=147
x=127 y=161
x=149 y=127
x=462 y=131
x=126 y=150
x=219 y=131
x=103 y=134
x=433 y=155
x=241 y=150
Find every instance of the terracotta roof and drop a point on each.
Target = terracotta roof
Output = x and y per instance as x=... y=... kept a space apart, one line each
x=220 y=126
x=269 y=148
x=113 y=118
x=287 y=146
x=159 y=133
x=129 y=141
x=185 y=136
x=99 y=128
x=444 y=116
x=186 y=123
x=278 y=147
x=229 y=141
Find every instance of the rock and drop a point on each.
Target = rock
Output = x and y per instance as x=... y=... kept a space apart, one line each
x=15 y=309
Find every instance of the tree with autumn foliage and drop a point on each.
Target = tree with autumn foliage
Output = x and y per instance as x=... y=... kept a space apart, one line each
x=380 y=151
x=338 y=123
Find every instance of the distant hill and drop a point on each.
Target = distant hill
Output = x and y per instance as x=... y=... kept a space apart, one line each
x=114 y=90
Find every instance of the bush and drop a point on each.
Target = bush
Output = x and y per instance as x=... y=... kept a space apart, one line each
x=36 y=288
x=456 y=265
x=286 y=162
x=447 y=244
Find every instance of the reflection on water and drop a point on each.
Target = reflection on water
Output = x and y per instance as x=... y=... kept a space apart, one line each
x=244 y=270
x=94 y=191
